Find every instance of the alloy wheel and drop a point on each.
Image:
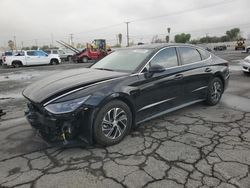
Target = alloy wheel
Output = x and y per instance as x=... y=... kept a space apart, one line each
x=114 y=123
x=216 y=91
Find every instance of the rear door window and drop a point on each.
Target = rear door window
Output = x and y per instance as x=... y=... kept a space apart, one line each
x=166 y=58
x=204 y=54
x=189 y=55
x=40 y=53
x=31 y=53
x=47 y=51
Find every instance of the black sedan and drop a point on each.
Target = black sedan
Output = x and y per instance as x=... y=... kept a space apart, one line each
x=103 y=103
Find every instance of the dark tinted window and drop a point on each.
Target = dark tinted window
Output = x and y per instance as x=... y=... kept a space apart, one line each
x=204 y=54
x=47 y=51
x=166 y=58
x=40 y=53
x=8 y=54
x=55 y=52
x=189 y=55
x=31 y=53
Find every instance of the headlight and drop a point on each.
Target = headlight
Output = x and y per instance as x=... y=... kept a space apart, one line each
x=67 y=106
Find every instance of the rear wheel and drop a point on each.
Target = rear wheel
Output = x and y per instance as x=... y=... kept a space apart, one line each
x=113 y=122
x=69 y=58
x=85 y=59
x=54 y=62
x=215 y=90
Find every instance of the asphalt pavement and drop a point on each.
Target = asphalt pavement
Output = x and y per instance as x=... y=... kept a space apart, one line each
x=198 y=146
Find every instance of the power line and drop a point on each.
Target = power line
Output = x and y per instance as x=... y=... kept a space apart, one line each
x=148 y=18
x=183 y=11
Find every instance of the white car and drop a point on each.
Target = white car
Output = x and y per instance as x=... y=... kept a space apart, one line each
x=65 y=56
x=246 y=64
x=31 y=57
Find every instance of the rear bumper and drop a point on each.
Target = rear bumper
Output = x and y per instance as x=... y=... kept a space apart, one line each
x=66 y=129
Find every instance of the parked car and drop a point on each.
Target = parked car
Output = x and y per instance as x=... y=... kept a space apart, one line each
x=246 y=65
x=126 y=88
x=3 y=56
x=64 y=56
x=220 y=48
x=31 y=57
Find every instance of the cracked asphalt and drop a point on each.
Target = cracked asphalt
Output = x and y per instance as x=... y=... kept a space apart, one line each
x=198 y=146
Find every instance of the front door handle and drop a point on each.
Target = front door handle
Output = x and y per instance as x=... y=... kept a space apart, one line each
x=208 y=69
x=178 y=76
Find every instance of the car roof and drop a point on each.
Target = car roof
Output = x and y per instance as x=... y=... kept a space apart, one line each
x=160 y=45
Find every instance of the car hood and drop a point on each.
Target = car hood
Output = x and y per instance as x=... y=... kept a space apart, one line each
x=65 y=81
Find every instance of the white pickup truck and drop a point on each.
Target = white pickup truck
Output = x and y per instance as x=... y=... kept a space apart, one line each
x=31 y=57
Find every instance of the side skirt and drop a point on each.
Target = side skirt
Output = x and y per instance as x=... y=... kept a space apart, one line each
x=169 y=110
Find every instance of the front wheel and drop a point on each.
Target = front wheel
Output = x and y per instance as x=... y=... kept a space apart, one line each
x=85 y=59
x=113 y=122
x=215 y=90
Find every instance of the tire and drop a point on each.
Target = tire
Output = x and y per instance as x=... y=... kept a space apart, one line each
x=85 y=59
x=69 y=58
x=54 y=62
x=108 y=129
x=17 y=64
x=214 y=92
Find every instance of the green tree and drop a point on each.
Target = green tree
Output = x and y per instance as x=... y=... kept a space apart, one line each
x=225 y=38
x=26 y=48
x=11 y=44
x=182 y=38
x=34 y=47
x=45 y=47
x=233 y=34
x=167 y=39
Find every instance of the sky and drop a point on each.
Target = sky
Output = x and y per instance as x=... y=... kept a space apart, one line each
x=43 y=22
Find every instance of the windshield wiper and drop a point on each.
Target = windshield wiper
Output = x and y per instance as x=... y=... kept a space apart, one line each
x=104 y=69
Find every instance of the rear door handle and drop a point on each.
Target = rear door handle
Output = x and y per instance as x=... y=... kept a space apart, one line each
x=208 y=69
x=178 y=76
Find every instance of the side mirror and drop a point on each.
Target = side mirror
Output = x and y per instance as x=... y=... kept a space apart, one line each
x=156 y=69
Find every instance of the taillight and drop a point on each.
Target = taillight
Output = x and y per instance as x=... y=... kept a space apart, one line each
x=4 y=58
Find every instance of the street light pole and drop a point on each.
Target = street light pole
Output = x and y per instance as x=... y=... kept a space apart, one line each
x=127 y=33
x=71 y=39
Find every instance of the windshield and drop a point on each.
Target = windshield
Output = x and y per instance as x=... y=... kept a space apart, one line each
x=123 y=60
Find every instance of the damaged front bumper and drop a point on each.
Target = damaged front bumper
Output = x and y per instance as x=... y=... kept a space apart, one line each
x=70 y=128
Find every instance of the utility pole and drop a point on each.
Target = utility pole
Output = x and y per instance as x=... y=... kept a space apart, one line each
x=71 y=39
x=207 y=38
x=15 y=42
x=52 y=40
x=127 y=34
x=169 y=29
